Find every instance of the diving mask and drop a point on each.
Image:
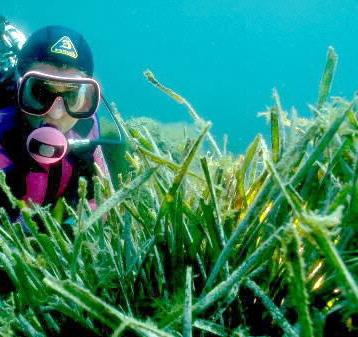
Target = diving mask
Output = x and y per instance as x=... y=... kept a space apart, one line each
x=38 y=91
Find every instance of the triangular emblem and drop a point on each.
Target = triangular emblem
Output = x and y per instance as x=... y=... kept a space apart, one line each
x=64 y=46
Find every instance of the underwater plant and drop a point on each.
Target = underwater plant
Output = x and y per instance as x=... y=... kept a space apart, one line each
x=196 y=243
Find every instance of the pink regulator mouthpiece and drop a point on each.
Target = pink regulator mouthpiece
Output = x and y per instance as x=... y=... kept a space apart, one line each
x=47 y=145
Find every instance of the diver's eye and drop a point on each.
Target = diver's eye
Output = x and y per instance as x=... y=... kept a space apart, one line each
x=38 y=92
x=76 y=98
x=72 y=97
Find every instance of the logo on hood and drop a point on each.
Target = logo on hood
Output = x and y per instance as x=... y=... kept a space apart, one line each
x=64 y=46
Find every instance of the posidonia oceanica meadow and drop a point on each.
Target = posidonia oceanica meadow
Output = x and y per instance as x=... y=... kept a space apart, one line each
x=199 y=242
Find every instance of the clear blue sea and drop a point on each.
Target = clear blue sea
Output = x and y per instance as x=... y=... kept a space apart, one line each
x=224 y=56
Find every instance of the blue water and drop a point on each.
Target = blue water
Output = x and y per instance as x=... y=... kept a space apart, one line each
x=224 y=56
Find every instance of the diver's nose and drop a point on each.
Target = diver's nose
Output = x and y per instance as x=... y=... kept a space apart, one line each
x=57 y=109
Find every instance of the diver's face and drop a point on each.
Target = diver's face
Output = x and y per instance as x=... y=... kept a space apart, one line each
x=57 y=115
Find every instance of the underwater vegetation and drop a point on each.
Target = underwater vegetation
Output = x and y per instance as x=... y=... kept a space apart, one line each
x=199 y=243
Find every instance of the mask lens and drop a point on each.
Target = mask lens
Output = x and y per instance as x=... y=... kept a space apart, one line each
x=81 y=100
x=35 y=98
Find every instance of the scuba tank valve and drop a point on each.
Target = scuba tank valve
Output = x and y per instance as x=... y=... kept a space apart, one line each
x=11 y=41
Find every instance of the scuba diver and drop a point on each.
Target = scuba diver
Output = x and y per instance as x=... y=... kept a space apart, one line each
x=49 y=131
